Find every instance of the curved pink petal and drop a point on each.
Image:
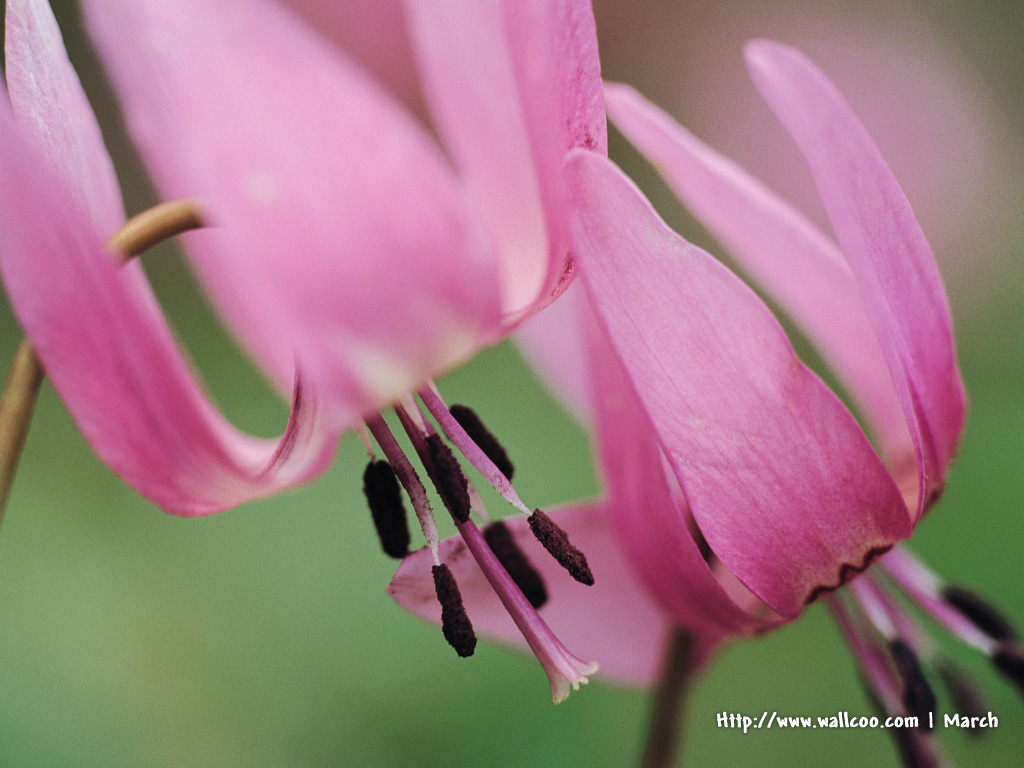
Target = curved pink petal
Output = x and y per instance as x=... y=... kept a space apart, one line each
x=613 y=622
x=783 y=483
x=565 y=346
x=342 y=240
x=50 y=106
x=105 y=346
x=652 y=525
x=511 y=86
x=780 y=249
x=885 y=248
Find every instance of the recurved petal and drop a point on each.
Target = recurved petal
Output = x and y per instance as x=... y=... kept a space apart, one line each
x=511 y=86
x=884 y=247
x=107 y=350
x=50 y=106
x=780 y=249
x=341 y=238
x=613 y=622
x=785 y=486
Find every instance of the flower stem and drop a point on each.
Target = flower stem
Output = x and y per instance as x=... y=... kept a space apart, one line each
x=664 y=731
x=139 y=233
x=16 y=406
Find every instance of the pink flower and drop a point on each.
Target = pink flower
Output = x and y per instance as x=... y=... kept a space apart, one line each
x=739 y=486
x=344 y=246
x=775 y=478
x=355 y=253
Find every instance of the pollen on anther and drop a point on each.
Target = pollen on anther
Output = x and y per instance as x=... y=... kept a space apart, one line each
x=557 y=544
x=384 y=496
x=1009 y=660
x=979 y=613
x=448 y=477
x=918 y=696
x=483 y=437
x=455 y=624
x=499 y=538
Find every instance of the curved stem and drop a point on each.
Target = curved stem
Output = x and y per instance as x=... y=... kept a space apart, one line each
x=16 y=406
x=664 y=731
x=138 y=234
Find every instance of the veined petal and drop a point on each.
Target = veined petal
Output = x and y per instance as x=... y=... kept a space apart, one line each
x=652 y=525
x=511 y=86
x=341 y=237
x=781 y=479
x=567 y=348
x=780 y=249
x=105 y=346
x=612 y=622
x=885 y=248
x=50 y=106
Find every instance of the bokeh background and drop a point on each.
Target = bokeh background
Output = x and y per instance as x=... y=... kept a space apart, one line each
x=263 y=637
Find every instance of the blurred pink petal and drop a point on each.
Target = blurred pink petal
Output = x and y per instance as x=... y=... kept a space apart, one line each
x=95 y=325
x=554 y=344
x=885 y=248
x=50 y=106
x=511 y=87
x=926 y=103
x=341 y=240
x=374 y=33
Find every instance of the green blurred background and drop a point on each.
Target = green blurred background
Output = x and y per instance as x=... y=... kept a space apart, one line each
x=263 y=637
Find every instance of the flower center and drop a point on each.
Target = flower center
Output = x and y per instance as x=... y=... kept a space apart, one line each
x=515 y=581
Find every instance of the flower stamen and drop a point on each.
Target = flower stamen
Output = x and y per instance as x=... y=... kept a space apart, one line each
x=504 y=547
x=387 y=509
x=562 y=668
x=962 y=612
x=482 y=454
x=484 y=438
x=455 y=624
x=917 y=694
x=410 y=481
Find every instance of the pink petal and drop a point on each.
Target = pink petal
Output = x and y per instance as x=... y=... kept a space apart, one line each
x=780 y=249
x=511 y=86
x=612 y=622
x=567 y=349
x=342 y=241
x=105 y=346
x=554 y=344
x=374 y=33
x=885 y=248
x=50 y=106
x=654 y=527
x=783 y=483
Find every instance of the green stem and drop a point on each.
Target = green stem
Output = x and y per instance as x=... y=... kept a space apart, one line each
x=665 y=729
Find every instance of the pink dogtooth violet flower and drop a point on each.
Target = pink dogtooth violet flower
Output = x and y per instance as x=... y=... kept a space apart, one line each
x=739 y=485
x=355 y=252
